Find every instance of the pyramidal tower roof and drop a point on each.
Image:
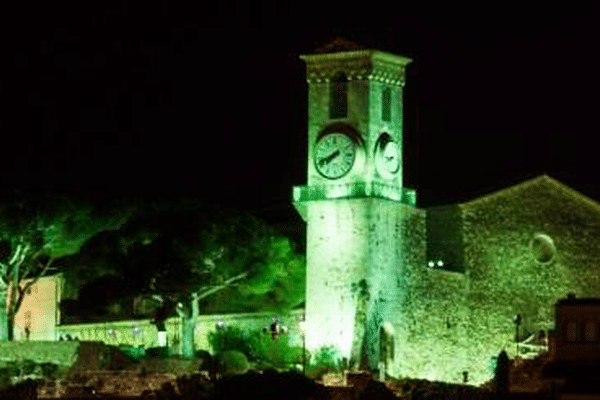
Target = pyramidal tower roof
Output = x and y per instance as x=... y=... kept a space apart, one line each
x=339 y=44
x=343 y=50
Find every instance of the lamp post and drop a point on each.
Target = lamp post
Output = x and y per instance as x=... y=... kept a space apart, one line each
x=302 y=325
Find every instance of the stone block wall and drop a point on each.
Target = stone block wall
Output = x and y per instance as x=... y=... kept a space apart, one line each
x=140 y=333
x=526 y=247
x=386 y=235
x=432 y=314
x=143 y=333
x=337 y=243
x=249 y=322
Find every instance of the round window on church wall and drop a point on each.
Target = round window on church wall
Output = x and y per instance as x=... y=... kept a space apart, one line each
x=542 y=248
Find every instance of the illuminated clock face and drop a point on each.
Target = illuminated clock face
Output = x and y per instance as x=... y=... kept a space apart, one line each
x=387 y=160
x=334 y=155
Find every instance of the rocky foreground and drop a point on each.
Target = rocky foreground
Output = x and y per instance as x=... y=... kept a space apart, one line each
x=269 y=384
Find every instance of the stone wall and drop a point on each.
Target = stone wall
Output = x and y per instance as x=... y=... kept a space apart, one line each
x=392 y=227
x=140 y=333
x=143 y=333
x=432 y=316
x=526 y=247
x=337 y=259
x=60 y=353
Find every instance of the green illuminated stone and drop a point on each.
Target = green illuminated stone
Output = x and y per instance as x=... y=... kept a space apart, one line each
x=443 y=282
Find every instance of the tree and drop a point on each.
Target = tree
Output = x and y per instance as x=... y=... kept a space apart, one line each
x=36 y=230
x=278 y=286
x=189 y=252
x=93 y=278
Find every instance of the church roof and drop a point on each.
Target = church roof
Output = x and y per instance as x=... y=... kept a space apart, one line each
x=542 y=181
x=339 y=44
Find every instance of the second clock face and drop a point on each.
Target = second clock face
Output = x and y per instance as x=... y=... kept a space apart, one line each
x=387 y=161
x=334 y=155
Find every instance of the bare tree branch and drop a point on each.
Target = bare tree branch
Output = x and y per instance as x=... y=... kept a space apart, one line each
x=45 y=268
x=30 y=264
x=25 y=288
x=3 y=278
x=15 y=255
x=22 y=255
x=158 y=298
x=222 y=286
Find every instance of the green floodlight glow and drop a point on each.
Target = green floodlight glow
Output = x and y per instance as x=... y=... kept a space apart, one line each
x=450 y=315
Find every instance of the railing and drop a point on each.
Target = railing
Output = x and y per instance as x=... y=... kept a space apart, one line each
x=355 y=190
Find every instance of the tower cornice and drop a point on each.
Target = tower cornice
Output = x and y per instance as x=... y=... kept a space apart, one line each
x=357 y=65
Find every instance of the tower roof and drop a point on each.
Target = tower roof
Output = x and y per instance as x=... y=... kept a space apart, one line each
x=339 y=44
x=356 y=56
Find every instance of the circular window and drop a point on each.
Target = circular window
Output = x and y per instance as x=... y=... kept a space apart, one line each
x=542 y=248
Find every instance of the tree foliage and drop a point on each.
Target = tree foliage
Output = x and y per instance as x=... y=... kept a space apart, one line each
x=37 y=229
x=278 y=285
x=178 y=248
x=258 y=346
x=189 y=252
x=175 y=248
x=185 y=253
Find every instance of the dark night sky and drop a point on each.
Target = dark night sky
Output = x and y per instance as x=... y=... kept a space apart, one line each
x=211 y=101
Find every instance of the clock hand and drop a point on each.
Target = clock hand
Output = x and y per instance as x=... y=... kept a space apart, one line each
x=329 y=158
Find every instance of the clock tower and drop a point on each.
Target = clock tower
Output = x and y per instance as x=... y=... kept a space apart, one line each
x=354 y=202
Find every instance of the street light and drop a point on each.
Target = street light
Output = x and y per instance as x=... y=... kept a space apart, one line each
x=302 y=326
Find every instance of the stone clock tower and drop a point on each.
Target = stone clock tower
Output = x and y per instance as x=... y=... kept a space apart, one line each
x=354 y=201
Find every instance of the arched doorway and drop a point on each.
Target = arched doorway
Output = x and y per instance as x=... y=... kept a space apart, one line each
x=386 y=350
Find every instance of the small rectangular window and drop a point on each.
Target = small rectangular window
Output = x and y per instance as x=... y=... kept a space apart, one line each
x=338 y=101
x=386 y=104
x=589 y=334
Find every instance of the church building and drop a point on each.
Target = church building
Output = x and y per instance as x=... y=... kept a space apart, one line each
x=424 y=293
